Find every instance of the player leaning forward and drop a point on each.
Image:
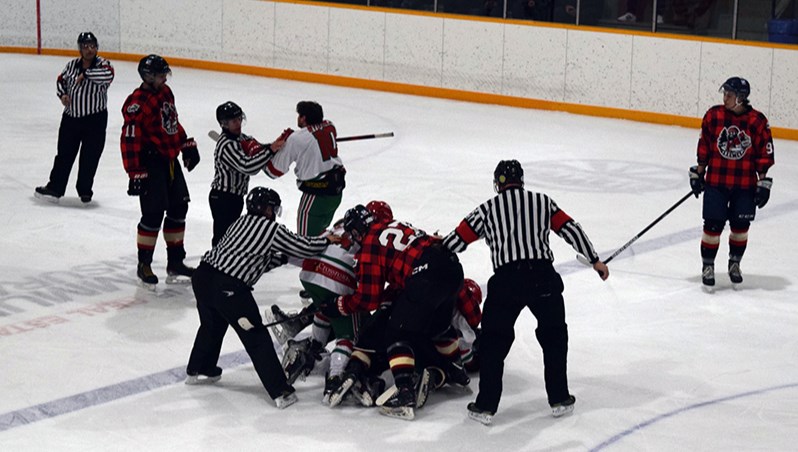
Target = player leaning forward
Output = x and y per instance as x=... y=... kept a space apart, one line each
x=735 y=151
x=152 y=138
x=223 y=283
x=516 y=225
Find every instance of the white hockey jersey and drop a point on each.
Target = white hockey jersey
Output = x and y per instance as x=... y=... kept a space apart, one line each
x=314 y=150
x=334 y=270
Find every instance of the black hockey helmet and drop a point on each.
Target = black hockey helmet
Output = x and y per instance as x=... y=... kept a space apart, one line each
x=259 y=198
x=152 y=65
x=738 y=86
x=508 y=173
x=357 y=221
x=312 y=111
x=227 y=111
x=87 y=37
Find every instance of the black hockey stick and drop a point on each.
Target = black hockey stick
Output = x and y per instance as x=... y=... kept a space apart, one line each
x=214 y=135
x=583 y=260
x=311 y=311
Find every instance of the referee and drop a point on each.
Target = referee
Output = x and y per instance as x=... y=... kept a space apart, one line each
x=237 y=157
x=254 y=244
x=82 y=88
x=516 y=224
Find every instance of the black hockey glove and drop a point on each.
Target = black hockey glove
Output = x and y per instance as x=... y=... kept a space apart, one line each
x=190 y=154
x=137 y=186
x=276 y=259
x=696 y=181
x=330 y=309
x=762 y=194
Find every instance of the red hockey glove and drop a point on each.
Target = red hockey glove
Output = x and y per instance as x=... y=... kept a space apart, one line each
x=252 y=147
x=137 y=186
x=190 y=154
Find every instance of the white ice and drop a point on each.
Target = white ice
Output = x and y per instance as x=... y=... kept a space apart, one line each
x=91 y=362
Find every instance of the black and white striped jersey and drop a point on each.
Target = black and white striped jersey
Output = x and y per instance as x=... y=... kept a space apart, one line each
x=233 y=165
x=90 y=96
x=247 y=246
x=516 y=224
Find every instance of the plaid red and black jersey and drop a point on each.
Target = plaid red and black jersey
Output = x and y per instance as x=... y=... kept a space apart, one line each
x=386 y=255
x=734 y=148
x=150 y=125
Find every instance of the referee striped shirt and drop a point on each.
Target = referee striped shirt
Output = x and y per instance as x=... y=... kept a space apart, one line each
x=245 y=250
x=516 y=224
x=90 y=96
x=233 y=166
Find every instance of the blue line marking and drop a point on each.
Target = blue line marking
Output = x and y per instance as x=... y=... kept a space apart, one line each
x=649 y=422
x=107 y=394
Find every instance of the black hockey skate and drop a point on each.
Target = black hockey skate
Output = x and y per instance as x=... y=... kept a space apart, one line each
x=563 y=408
x=476 y=413
x=178 y=273
x=290 y=325
x=330 y=385
x=401 y=405
x=286 y=398
x=708 y=278
x=300 y=358
x=45 y=193
x=204 y=378
x=348 y=380
x=735 y=275
x=147 y=278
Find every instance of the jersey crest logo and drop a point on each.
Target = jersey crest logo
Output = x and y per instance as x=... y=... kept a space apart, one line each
x=133 y=108
x=733 y=143
x=169 y=118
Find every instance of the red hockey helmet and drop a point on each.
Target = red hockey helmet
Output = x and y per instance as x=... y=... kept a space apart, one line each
x=381 y=211
x=471 y=290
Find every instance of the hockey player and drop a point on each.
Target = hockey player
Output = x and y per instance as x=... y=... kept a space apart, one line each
x=516 y=225
x=319 y=170
x=428 y=278
x=734 y=153
x=152 y=138
x=237 y=157
x=223 y=283
x=82 y=88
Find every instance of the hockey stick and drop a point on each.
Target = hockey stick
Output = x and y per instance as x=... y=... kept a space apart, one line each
x=583 y=260
x=310 y=312
x=215 y=136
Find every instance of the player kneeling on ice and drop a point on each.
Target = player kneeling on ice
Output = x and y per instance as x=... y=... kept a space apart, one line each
x=252 y=245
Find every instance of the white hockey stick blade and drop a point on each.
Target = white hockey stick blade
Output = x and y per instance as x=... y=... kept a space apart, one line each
x=214 y=135
x=386 y=395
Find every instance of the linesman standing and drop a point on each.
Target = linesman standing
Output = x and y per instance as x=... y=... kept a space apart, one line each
x=237 y=157
x=516 y=224
x=82 y=88
x=254 y=244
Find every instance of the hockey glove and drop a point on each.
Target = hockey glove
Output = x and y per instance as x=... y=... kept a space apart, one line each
x=330 y=309
x=252 y=147
x=762 y=194
x=190 y=154
x=137 y=186
x=276 y=259
x=696 y=181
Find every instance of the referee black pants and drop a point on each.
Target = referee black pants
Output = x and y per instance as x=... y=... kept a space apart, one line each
x=533 y=284
x=87 y=135
x=224 y=301
x=225 y=209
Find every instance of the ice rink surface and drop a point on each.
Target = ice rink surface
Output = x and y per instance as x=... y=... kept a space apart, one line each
x=92 y=362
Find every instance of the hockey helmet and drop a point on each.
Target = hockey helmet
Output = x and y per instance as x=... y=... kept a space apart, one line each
x=227 y=111
x=381 y=210
x=508 y=173
x=260 y=198
x=152 y=65
x=471 y=291
x=738 y=86
x=87 y=37
x=357 y=221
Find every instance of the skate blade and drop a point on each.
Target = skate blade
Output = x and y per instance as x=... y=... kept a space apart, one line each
x=562 y=410
x=402 y=412
x=737 y=286
x=144 y=285
x=708 y=289
x=195 y=380
x=178 y=279
x=386 y=395
x=50 y=199
x=482 y=418
x=338 y=395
